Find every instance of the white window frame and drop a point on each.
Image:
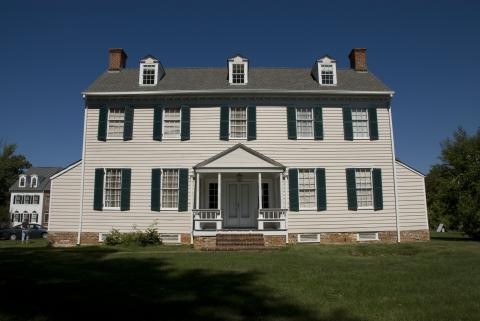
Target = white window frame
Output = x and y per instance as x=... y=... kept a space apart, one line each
x=324 y=67
x=155 y=75
x=369 y=240
x=316 y=240
x=105 y=190
x=32 y=179
x=371 y=188
x=108 y=125
x=297 y=120
x=328 y=62
x=161 y=188
x=23 y=179
x=163 y=124
x=315 y=188
x=230 y=124
x=238 y=60
x=368 y=125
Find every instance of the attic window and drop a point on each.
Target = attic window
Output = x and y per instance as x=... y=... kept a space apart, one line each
x=22 y=181
x=238 y=73
x=325 y=71
x=148 y=74
x=238 y=70
x=327 y=74
x=34 y=181
x=151 y=70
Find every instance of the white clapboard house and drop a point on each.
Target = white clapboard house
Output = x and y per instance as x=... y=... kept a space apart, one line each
x=239 y=156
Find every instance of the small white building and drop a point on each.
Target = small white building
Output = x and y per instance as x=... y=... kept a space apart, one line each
x=30 y=196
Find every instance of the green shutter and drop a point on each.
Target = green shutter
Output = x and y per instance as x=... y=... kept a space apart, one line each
x=351 y=189
x=185 y=131
x=293 y=186
x=251 y=122
x=98 y=189
x=224 y=119
x=125 y=196
x=321 y=189
x=102 y=123
x=347 y=124
x=156 y=185
x=183 y=190
x=128 y=124
x=292 y=122
x=373 y=123
x=157 y=123
x=318 y=123
x=377 y=189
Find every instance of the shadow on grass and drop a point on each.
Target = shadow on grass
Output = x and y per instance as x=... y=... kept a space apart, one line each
x=451 y=236
x=84 y=284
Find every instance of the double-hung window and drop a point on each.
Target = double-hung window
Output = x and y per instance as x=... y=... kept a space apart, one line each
x=22 y=181
x=304 y=122
x=327 y=74
x=238 y=122
x=36 y=199
x=363 y=181
x=360 y=123
x=238 y=73
x=18 y=199
x=34 y=181
x=116 y=122
x=28 y=199
x=306 y=188
x=171 y=123
x=170 y=189
x=113 y=188
x=148 y=74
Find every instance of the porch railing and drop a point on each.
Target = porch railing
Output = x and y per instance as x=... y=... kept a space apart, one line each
x=207 y=219
x=272 y=218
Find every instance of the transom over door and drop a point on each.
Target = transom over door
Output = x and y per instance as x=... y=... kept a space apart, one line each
x=241 y=204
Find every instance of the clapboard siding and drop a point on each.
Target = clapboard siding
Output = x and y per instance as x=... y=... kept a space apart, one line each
x=411 y=199
x=65 y=200
x=333 y=153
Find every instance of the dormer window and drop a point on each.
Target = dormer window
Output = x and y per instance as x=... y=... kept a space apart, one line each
x=150 y=71
x=325 y=71
x=238 y=70
x=22 y=181
x=34 y=181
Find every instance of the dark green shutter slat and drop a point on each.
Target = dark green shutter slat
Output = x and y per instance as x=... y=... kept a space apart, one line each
x=102 y=123
x=156 y=185
x=318 y=123
x=377 y=189
x=224 y=119
x=292 y=122
x=351 y=189
x=347 y=124
x=183 y=190
x=125 y=196
x=157 y=123
x=128 y=124
x=251 y=123
x=321 y=189
x=293 y=186
x=185 y=131
x=98 y=190
x=373 y=123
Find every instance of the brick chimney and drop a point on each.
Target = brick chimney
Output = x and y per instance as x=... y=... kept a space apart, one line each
x=358 y=59
x=117 y=59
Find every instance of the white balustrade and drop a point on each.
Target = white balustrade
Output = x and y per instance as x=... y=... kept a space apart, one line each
x=272 y=218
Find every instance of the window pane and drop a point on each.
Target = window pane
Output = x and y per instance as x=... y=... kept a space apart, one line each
x=113 y=187
x=238 y=73
x=327 y=74
x=116 y=118
x=170 y=188
x=265 y=196
x=304 y=123
x=360 y=123
x=148 y=74
x=363 y=180
x=213 y=195
x=171 y=123
x=306 y=188
x=238 y=122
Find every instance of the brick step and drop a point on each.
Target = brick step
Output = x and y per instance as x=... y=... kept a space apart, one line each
x=232 y=242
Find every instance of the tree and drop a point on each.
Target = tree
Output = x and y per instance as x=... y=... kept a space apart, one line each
x=11 y=166
x=453 y=187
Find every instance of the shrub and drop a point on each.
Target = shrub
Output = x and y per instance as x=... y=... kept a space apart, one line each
x=113 y=238
x=149 y=237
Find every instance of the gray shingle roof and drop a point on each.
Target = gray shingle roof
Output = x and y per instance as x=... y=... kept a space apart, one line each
x=199 y=79
x=43 y=173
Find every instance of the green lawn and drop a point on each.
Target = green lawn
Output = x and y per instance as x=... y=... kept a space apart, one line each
x=438 y=280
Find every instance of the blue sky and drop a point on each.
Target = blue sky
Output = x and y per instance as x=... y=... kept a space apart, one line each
x=426 y=51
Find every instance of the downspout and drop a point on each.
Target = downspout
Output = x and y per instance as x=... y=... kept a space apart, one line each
x=80 y=223
x=394 y=174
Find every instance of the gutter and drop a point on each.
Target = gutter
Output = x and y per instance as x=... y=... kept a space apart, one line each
x=397 y=223
x=241 y=91
x=80 y=223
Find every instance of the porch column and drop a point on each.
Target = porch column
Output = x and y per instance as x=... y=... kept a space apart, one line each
x=280 y=184
x=197 y=185
x=219 y=182
x=259 y=190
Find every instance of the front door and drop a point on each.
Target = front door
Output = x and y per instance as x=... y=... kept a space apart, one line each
x=240 y=205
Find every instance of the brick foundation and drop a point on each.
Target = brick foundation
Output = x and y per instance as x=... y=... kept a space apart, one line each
x=415 y=236
x=205 y=243
x=274 y=240
x=383 y=237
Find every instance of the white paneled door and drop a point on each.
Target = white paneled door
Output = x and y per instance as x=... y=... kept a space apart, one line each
x=240 y=204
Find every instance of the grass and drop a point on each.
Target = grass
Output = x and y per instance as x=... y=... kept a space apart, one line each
x=437 y=280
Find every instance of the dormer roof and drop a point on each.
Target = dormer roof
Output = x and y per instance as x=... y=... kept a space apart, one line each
x=155 y=60
x=43 y=183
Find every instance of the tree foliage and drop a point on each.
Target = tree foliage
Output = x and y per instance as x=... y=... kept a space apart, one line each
x=11 y=165
x=453 y=187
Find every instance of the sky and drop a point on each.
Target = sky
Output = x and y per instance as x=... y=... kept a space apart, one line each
x=428 y=52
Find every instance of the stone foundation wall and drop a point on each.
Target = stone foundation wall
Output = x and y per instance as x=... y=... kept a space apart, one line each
x=415 y=236
x=205 y=243
x=274 y=240
x=383 y=237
